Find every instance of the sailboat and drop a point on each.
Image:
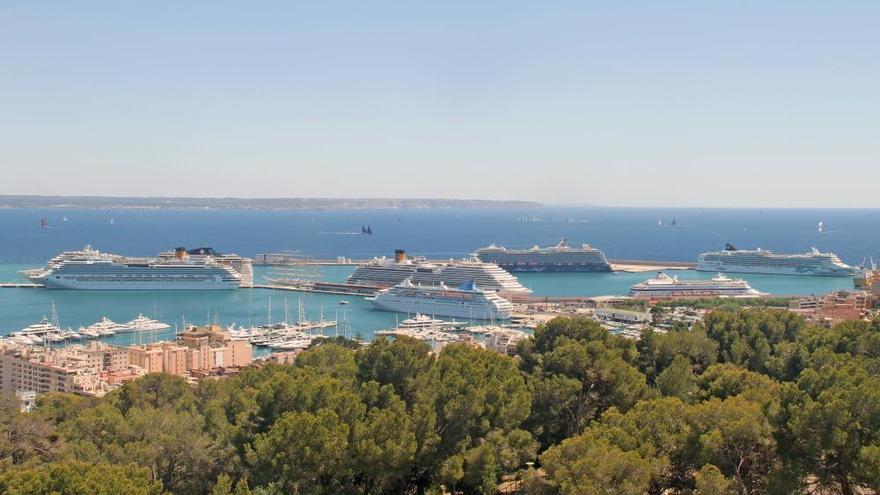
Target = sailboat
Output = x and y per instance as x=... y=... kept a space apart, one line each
x=366 y=230
x=821 y=227
x=673 y=223
x=369 y=230
x=659 y=222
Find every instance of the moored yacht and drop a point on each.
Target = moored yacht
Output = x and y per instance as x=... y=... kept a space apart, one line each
x=106 y=327
x=141 y=323
x=39 y=333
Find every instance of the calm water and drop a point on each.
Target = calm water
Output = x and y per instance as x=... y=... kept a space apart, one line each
x=622 y=233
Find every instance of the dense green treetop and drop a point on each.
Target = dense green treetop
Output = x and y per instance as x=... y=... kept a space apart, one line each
x=750 y=401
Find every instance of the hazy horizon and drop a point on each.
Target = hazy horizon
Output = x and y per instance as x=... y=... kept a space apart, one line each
x=680 y=104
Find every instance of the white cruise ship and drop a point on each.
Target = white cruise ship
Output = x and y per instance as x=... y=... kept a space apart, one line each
x=92 y=269
x=466 y=302
x=558 y=258
x=760 y=260
x=388 y=273
x=665 y=286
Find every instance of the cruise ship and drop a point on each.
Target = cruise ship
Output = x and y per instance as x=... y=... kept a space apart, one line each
x=466 y=301
x=558 y=258
x=760 y=260
x=385 y=273
x=665 y=286
x=93 y=269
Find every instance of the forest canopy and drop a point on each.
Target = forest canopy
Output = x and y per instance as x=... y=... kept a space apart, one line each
x=750 y=401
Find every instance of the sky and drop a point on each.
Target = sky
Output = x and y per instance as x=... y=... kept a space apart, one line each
x=630 y=103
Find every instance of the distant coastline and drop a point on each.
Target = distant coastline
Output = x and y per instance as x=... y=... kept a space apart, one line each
x=277 y=204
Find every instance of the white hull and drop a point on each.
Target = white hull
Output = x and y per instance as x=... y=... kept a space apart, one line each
x=717 y=266
x=440 y=308
x=210 y=283
x=735 y=292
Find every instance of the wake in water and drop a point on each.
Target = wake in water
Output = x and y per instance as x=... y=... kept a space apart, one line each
x=339 y=233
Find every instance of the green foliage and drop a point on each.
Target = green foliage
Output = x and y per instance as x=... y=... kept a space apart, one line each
x=711 y=481
x=758 y=340
x=658 y=350
x=751 y=401
x=678 y=380
x=728 y=304
x=589 y=465
x=832 y=422
x=737 y=437
x=577 y=370
x=23 y=437
x=78 y=478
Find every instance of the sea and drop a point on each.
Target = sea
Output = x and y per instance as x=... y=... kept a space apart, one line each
x=29 y=237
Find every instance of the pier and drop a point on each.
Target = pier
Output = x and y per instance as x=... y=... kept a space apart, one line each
x=323 y=288
x=20 y=285
x=640 y=266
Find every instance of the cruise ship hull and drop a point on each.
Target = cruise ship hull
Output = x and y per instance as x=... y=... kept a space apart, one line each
x=813 y=271
x=554 y=267
x=89 y=269
x=435 y=308
x=661 y=293
x=559 y=258
x=52 y=283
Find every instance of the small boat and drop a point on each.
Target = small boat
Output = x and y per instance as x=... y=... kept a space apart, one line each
x=343 y=302
x=821 y=227
x=105 y=327
x=89 y=333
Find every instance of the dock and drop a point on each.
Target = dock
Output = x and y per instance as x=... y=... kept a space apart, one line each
x=323 y=288
x=20 y=285
x=641 y=266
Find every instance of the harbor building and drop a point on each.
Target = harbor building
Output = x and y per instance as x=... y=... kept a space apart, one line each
x=97 y=368
x=197 y=349
x=834 y=308
x=86 y=370
x=623 y=315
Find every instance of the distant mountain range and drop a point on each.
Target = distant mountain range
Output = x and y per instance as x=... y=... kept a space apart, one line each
x=102 y=202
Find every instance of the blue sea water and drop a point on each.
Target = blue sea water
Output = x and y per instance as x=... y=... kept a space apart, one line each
x=627 y=233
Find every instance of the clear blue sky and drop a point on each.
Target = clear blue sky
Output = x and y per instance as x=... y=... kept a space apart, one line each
x=740 y=103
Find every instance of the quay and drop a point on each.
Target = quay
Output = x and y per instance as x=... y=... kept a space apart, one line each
x=640 y=266
x=322 y=288
x=20 y=285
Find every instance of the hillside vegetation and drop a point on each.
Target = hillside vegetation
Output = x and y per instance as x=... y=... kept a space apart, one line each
x=752 y=401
